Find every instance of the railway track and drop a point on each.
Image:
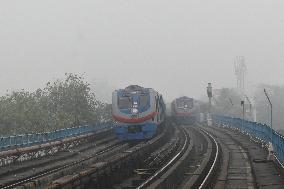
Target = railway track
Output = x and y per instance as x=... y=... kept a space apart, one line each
x=183 y=157
x=109 y=170
x=183 y=144
x=149 y=166
x=194 y=166
x=237 y=168
x=29 y=172
x=239 y=162
x=202 y=163
x=19 y=155
x=191 y=162
x=244 y=162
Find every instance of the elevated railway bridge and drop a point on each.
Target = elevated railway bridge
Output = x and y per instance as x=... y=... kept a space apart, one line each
x=232 y=153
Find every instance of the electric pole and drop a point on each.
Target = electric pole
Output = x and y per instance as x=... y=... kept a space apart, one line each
x=210 y=95
x=240 y=72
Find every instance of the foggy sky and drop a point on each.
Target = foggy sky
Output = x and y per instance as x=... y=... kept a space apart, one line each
x=176 y=47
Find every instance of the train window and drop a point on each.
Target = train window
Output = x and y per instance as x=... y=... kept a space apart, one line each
x=124 y=102
x=143 y=100
x=185 y=104
x=188 y=104
x=180 y=104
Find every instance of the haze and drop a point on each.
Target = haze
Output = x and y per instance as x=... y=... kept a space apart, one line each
x=176 y=47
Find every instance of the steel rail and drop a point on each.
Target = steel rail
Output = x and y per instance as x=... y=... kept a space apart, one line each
x=153 y=177
x=214 y=163
x=136 y=149
x=28 y=179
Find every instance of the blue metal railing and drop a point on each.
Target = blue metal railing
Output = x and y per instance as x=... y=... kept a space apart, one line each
x=38 y=138
x=258 y=130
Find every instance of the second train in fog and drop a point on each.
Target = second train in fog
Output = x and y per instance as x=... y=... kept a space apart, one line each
x=185 y=111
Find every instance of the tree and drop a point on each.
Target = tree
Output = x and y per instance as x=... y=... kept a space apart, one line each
x=61 y=104
x=228 y=103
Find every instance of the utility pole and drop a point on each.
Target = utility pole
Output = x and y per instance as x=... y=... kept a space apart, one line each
x=270 y=111
x=231 y=102
x=250 y=106
x=210 y=95
x=270 y=147
x=254 y=109
x=243 y=105
x=229 y=112
x=240 y=71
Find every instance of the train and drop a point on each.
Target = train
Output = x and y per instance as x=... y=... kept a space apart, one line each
x=138 y=113
x=185 y=111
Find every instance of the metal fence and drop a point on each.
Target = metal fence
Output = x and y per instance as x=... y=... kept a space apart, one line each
x=38 y=138
x=261 y=131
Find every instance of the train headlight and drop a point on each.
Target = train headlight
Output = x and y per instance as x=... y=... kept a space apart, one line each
x=134 y=110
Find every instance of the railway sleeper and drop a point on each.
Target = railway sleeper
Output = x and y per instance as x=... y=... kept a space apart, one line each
x=117 y=167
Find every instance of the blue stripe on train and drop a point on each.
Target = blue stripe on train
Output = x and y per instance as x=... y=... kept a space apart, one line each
x=136 y=132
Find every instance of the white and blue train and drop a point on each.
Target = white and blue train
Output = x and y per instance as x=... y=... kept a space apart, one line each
x=138 y=112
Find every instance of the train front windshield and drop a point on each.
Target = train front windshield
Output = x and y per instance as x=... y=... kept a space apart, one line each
x=185 y=104
x=130 y=101
x=143 y=100
x=124 y=102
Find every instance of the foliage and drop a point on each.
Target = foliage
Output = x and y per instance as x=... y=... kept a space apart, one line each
x=63 y=103
x=227 y=103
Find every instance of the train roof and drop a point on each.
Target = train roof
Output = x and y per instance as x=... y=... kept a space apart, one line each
x=132 y=88
x=184 y=98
